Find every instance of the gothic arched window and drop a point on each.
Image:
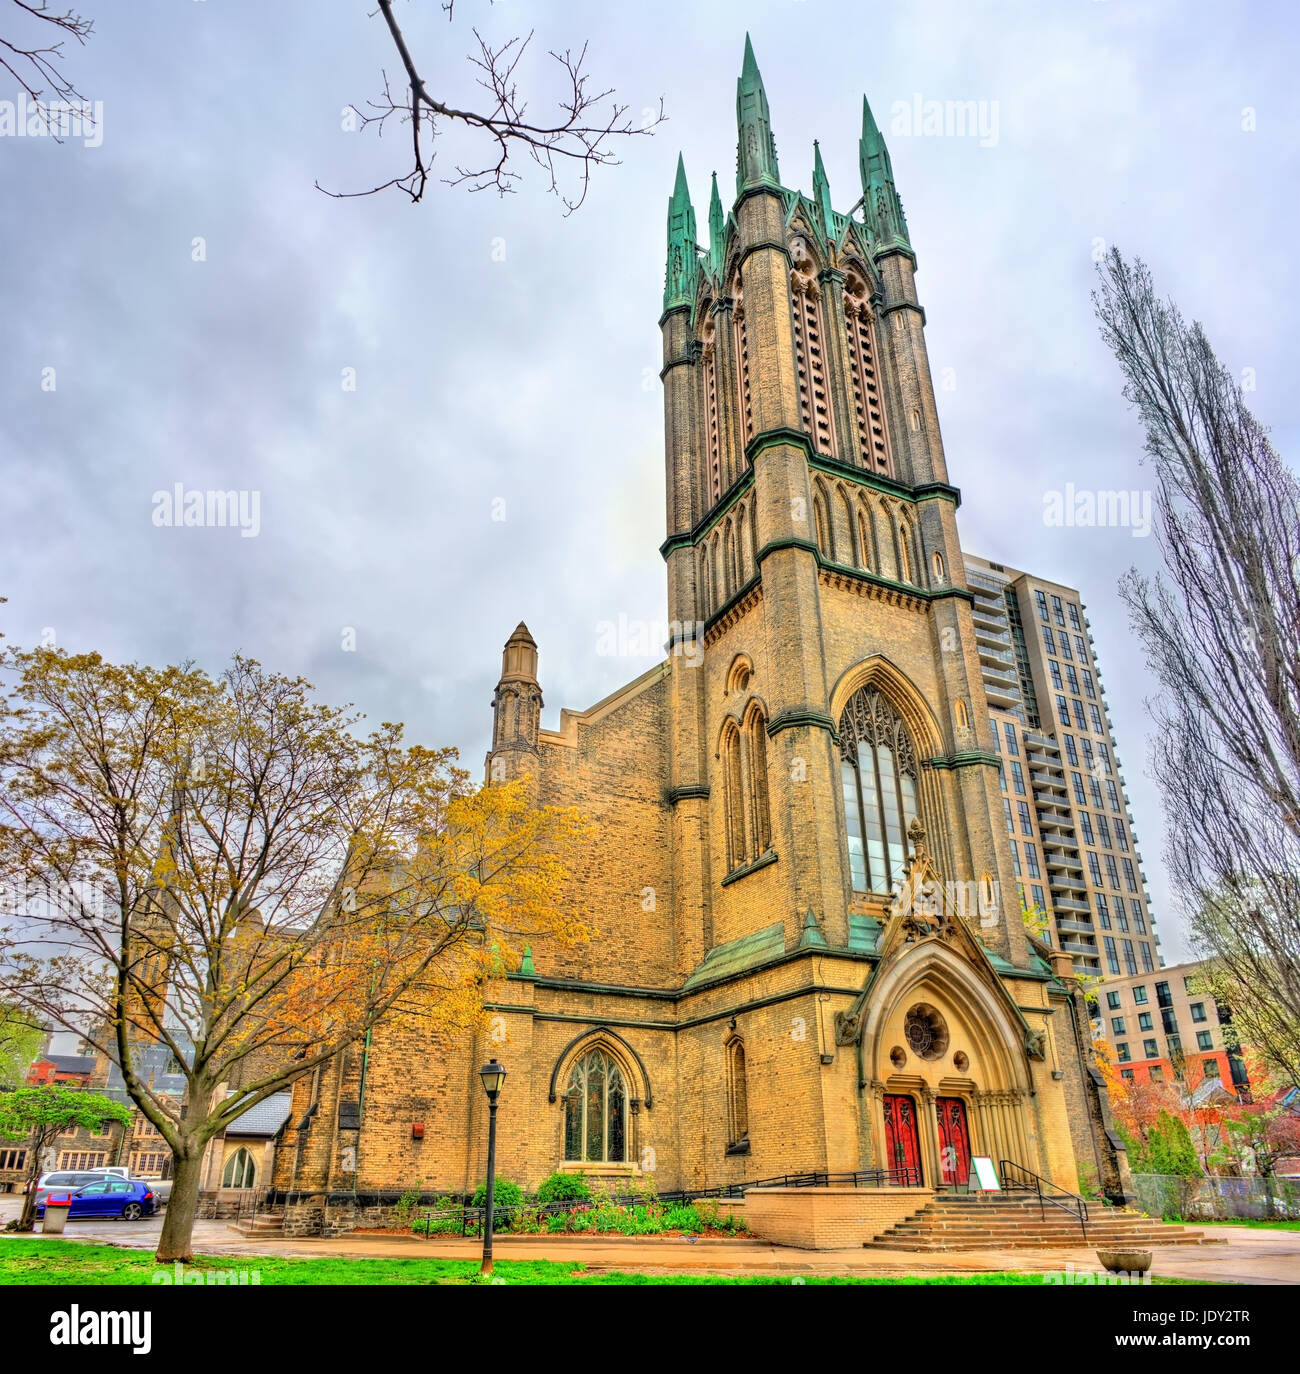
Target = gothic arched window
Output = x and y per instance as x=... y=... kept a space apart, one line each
x=878 y=771
x=733 y=797
x=737 y=1095
x=240 y=1171
x=760 y=828
x=595 y=1111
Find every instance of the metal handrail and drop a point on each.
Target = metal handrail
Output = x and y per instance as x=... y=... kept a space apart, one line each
x=1016 y=1178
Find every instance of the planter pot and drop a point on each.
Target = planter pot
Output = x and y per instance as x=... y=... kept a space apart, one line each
x=1125 y=1261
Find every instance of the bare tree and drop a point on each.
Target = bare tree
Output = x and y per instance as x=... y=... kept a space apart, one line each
x=1220 y=631
x=36 y=63
x=576 y=139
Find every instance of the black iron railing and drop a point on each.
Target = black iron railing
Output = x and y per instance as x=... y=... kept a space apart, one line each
x=1017 y=1179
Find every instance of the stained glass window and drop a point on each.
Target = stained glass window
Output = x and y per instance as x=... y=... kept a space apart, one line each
x=595 y=1111
x=878 y=772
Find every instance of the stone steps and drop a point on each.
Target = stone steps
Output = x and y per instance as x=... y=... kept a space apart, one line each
x=263 y=1224
x=965 y=1222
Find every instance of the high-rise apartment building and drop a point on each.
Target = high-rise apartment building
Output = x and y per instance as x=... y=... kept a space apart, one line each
x=1073 y=843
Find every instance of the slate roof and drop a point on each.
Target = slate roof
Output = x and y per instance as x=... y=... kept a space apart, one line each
x=265 y=1119
x=71 y=1063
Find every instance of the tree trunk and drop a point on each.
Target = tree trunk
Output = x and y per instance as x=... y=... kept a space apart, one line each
x=176 y=1241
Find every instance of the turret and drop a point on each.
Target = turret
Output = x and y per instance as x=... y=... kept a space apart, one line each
x=881 y=206
x=517 y=704
x=756 y=148
x=680 y=277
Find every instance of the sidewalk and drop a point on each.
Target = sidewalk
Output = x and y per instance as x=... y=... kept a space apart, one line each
x=1249 y=1256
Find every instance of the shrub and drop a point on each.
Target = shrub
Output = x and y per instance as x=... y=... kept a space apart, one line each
x=404 y=1207
x=560 y=1187
x=506 y=1194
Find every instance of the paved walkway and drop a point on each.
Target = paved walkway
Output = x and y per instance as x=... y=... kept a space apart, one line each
x=1249 y=1256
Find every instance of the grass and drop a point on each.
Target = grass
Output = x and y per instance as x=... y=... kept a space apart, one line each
x=46 y=1262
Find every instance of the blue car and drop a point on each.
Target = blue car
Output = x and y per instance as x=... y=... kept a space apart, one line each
x=128 y=1198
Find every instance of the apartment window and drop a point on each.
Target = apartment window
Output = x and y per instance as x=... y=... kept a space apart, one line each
x=1140 y=995
x=1065 y=648
x=1112 y=872
x=1148 y=963
x=1130 y=959
x=1031 y=860
x=1078 y=714
x=1112 y=795
x=1079 y=796
x=1002 y=772
x=1094 y=790
x=1112 y=1001
x=1126 y=1075
x=1144 y=1021
x=1139 y=918
x=1054 y=668
x=1112 y=959
x=1018 y=778
x=1103 y=829
x=1121 y=835
x=1097 y=727
x=1062 y=709
x=1103 y=911
x=1089 y=762
x=1157 y=1073
x=1071 y=753
x=1074 y=614
x=1120 y=917
x=1026 y=825
x=1088 y=688
x=1210 y=1068
x=1013 y=745
x=1057 y=613
x=1015 y=859
x=1175 y=1044
x=1105 y=755
x=997 y=737
x=1072 y=678
x=1198 y=1011
x=1117 y=1025
x=1040 y=600
x=1163 y=999
x=1094 y=868
x=1037 y=891
x=1085 y=824
x=1006 y=811
x=1150 y=1049
x=1082 y=648
x=1122 y=1054
x=1187 y=983
x=1130 y=878
x=1204 y=1040
x=1049 y=639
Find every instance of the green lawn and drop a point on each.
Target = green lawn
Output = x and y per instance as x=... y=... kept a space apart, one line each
x=73 y=1262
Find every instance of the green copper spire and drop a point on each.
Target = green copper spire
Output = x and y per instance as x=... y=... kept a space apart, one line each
x=526 y=964
x=756 y=150
x=679 y=280
x=822 y=193
x=717 y=230
x=881 y=206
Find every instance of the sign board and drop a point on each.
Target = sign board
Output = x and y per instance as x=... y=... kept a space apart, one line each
x=987 y=1180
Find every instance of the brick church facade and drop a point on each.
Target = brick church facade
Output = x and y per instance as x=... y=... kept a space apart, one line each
x=810 y=950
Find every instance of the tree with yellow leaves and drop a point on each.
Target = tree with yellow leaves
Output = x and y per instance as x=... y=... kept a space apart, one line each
x=233 y=870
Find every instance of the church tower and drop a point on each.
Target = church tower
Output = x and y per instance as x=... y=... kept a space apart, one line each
x=812 y=546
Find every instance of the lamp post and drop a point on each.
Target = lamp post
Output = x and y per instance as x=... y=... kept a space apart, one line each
x=493 y=1076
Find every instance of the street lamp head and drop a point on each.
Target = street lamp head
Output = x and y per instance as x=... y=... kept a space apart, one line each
x=493 y=1076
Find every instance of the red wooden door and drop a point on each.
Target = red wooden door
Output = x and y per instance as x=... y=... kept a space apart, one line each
x=902 y=1141
x=954 y=1140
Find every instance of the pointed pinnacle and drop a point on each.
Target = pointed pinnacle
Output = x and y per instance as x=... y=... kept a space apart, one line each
x=749 y=70
x=681 y=191
x=869 y=131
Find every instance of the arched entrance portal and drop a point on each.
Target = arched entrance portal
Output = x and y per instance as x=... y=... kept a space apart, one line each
x=944 y=1068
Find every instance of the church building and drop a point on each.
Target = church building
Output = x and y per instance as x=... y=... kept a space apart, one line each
x=809 y=953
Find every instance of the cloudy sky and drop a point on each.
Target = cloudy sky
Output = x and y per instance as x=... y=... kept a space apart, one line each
x=500 y=457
